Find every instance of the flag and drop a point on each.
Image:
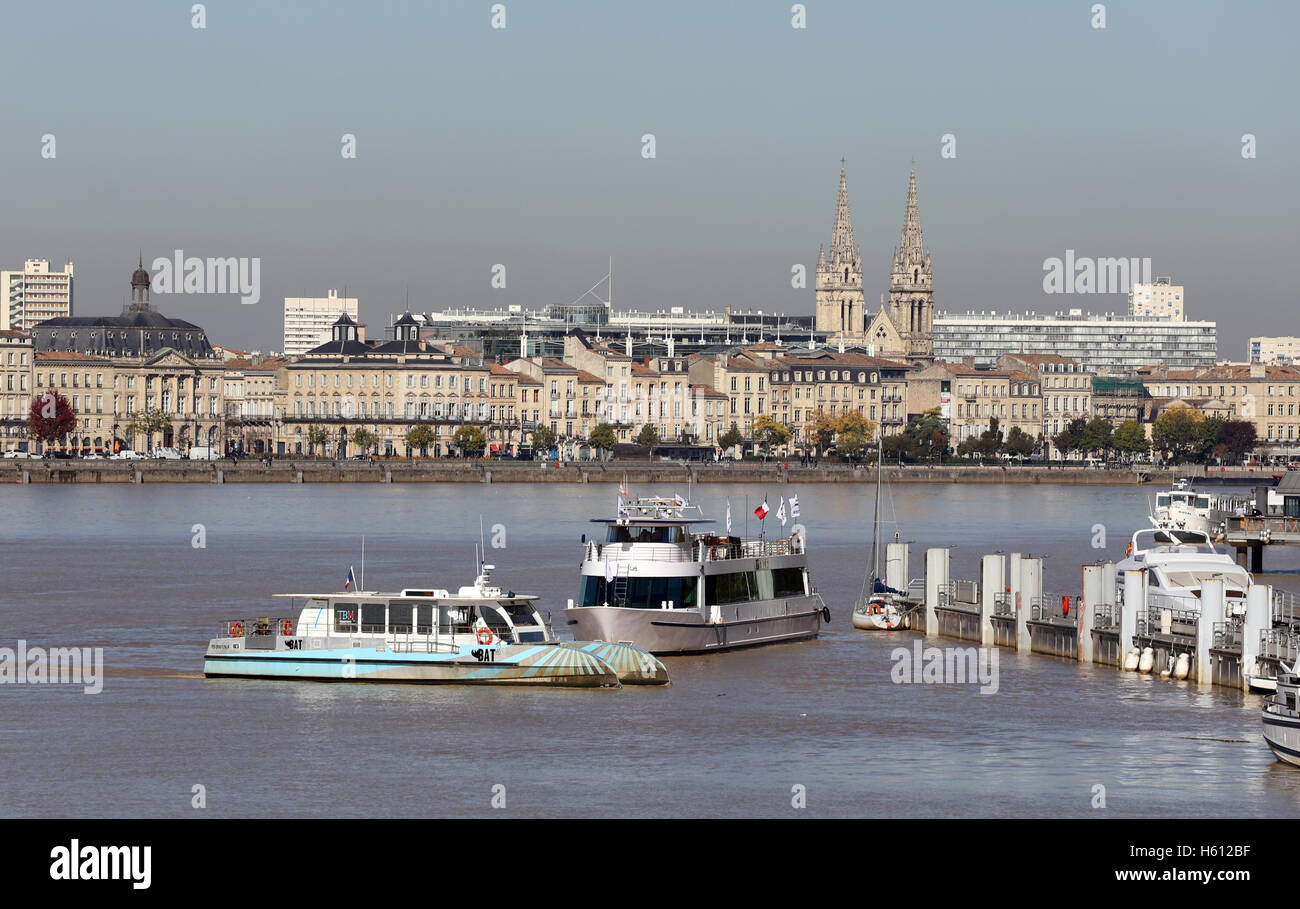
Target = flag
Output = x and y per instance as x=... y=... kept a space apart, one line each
x=780 y=511
x=728 y=516
x=794 y=506
x=681 y=506
x=622 y=490
x=761 y=510
x=609 y=572
x=623 y=511
x=351 y=582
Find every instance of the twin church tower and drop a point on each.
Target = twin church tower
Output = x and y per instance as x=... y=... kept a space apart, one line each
x=903 y=329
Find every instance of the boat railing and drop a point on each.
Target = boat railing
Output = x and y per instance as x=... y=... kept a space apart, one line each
x=1180 y=620
x=1105 y=616
x=1227 y=635
x=263 y=626
x=1286 y=608
x=1002 y=604
x=1279 y=644
x=965 y=593
x=1049 y=607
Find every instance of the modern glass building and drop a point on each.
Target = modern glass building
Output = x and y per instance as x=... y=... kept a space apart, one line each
x=1107 y=343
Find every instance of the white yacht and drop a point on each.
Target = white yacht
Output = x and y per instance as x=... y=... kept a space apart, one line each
x=1177 y=563
x=478 y=635
x=1182 y=508
x=660 y=582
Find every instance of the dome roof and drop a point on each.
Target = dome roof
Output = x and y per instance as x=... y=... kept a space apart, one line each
x=139 y=277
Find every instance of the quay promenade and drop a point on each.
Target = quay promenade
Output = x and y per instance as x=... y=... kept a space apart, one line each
x=305 y=470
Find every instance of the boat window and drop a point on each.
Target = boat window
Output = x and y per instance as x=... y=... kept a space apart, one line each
x=521 y=614
x=737 y=587
x=494 y=618
x=345 y=617
x=424 y=619
x=1202 y=501
x=372 y=618
x=787 y=582
x=637 y=533
x=451 y=617
x=399 y=618
x=640 y=593
x=1162 y=500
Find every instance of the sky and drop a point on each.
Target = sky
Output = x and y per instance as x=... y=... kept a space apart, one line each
x=522 y=146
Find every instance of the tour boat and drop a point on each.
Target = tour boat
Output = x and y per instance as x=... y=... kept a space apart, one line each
x=479 y=635
x=659 y=581
x=1281 y=717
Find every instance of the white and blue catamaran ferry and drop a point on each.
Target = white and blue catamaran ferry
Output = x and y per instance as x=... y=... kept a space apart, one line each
x=659 y=581
x=478 y=635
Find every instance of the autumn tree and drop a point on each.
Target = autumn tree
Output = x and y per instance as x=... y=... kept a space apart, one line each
x=421 y=437
x=50 y=417
x=770 y=433
x=469 y=440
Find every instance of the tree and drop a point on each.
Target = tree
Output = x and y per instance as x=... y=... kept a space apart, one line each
x=1070 y=438
x=1130 y=438
x=731 y=438
x=50 y=417
x=1097 y=435
x=648 y=435
x=991 y=439
x=421 y=437
x=316 y=435
x=1207 y=438
x=853 y=433
x=469 y=440
x=603 y=438
x=769 y=433
x=1020 y=443
x=544 y=438
x=1237 y=437
x=146 y=423
x=364 y=439
x=821 y=432
x=1177 y=430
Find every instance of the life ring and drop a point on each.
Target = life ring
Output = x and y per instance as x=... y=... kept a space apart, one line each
x=236 y=629
x=484 y=636
x=713 y=553
x=875 y=609
x=286 y=628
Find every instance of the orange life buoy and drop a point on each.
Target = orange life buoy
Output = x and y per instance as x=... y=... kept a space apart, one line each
x=484 y=636
x=713 y=553
x=236 y=629
x=286 y=628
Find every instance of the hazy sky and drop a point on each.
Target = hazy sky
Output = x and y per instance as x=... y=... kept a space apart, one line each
x=522 y=146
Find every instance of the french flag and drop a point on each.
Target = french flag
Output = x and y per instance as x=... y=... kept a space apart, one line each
x=351 y=581
x=761 y=511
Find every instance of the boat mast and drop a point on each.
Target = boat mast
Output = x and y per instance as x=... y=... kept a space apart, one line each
x=875 y=524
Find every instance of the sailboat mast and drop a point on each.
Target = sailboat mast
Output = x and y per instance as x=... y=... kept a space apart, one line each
x=875 y=524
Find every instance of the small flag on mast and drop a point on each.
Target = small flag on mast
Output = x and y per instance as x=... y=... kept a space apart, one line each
x=780 y=511
x=761 y=510
x=351 y=583
x=794 y=506
x=728 y=516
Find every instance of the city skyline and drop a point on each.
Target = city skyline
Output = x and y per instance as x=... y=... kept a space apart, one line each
x=527 y=153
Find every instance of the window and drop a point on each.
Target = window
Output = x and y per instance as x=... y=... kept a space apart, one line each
x=345 y=617
x=372 y=618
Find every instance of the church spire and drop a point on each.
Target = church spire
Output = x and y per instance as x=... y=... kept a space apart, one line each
x=842 y=248
x=911 y=258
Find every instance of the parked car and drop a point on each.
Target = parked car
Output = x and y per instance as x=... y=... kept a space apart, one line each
x=25 y=455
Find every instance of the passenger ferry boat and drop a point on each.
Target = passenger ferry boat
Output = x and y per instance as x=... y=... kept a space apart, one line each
x=660 y=582
x=1281 y=718
x=479 y=635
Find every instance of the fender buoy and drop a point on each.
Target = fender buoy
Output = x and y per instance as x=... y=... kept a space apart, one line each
x=826 y=614
x=237 y=629
x=1065 y=605
x=484 y=636
x=286 y=628
x=1129 y=551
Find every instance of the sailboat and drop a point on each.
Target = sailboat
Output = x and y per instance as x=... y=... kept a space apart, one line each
x=877 y=608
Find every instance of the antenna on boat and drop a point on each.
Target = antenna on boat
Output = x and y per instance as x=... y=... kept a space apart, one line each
x=363 y=561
